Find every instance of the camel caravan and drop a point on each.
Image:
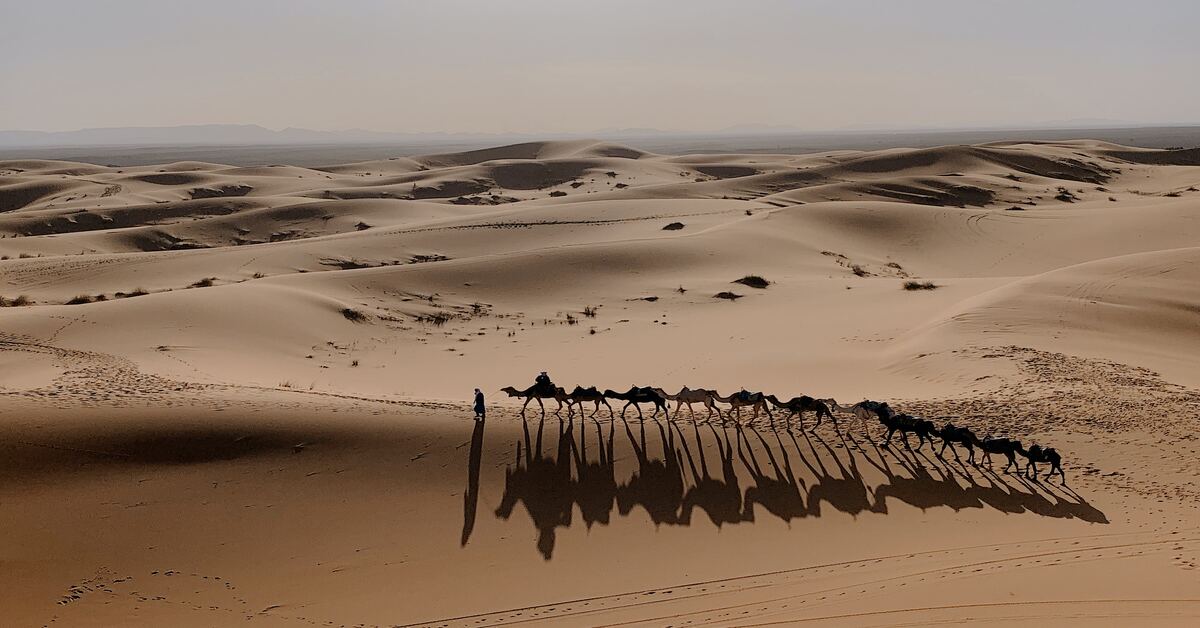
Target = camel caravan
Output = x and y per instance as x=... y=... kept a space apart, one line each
x=952 y=436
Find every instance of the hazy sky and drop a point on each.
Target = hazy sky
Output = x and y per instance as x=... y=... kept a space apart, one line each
x=563 y=65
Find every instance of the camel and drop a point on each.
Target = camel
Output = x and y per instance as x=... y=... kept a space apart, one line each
x=688 y=396
x=1036 y=454
x=1004 y=446
x=637 y=396
x=905 y=424
x=740 y=399
x=861 y=412
x=581 y=394
x=798 y=405
x=532 y=393
x=951 y=434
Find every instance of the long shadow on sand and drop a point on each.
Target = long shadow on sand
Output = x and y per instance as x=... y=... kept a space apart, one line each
x=784 y=474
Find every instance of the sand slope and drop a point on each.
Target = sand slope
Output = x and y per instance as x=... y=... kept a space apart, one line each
x=272 y=363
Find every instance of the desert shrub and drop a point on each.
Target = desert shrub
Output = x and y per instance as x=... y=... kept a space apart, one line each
x=919 y=285
x=20 y=301
x=589 y=312
x=354 y=315
x=859 y=271
x=80 y=300
x=437 y=319
x=730 y=296
x=204 y=283
x=753 y=281
x=675 y=226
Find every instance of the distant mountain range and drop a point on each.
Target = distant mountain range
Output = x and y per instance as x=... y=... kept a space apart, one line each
x=255 y=135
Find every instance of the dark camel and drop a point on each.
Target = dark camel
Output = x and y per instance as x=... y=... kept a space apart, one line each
x=741 y=399
x=637 y=396
x=951 y=435
x=1005 y=446
x=1036 y=454
x=799 y=405
x=905 y=424
x=581 y=394
x=532 y=393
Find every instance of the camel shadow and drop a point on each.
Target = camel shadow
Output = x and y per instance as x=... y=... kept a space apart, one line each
x=733 y=480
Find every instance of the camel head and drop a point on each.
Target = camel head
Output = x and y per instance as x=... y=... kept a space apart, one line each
x=608 y=392
x=512 y=392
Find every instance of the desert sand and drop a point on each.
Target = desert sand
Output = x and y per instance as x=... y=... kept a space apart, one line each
x=242 y=394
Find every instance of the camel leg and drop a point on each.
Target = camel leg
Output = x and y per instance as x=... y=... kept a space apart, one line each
x=525 y=405
x=941 y=452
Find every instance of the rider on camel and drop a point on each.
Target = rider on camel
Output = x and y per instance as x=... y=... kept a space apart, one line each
x=543 y=384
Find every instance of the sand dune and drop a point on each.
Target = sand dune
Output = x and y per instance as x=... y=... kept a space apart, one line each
x=251 y=383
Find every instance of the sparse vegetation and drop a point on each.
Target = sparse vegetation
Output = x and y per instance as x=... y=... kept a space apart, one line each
x=589 y=312
x=80 y=300
x=437 y=319
x=20 y=301
x=354 y=315
x=137 y=292
x=730 y=296
x=681 y=290
x=753 y=281
x=1065 y=196
x=557 y=193
x=1014 y=208
x=354 y=363
x=207 y=282
x=920 y=285
x=571 y=320
x=859 y=271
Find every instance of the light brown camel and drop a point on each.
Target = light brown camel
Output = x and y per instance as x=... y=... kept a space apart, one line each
x=687 y=396
x=531 y=394
x=864 y=415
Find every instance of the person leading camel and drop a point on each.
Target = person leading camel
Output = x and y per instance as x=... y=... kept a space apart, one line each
x=480 y=408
